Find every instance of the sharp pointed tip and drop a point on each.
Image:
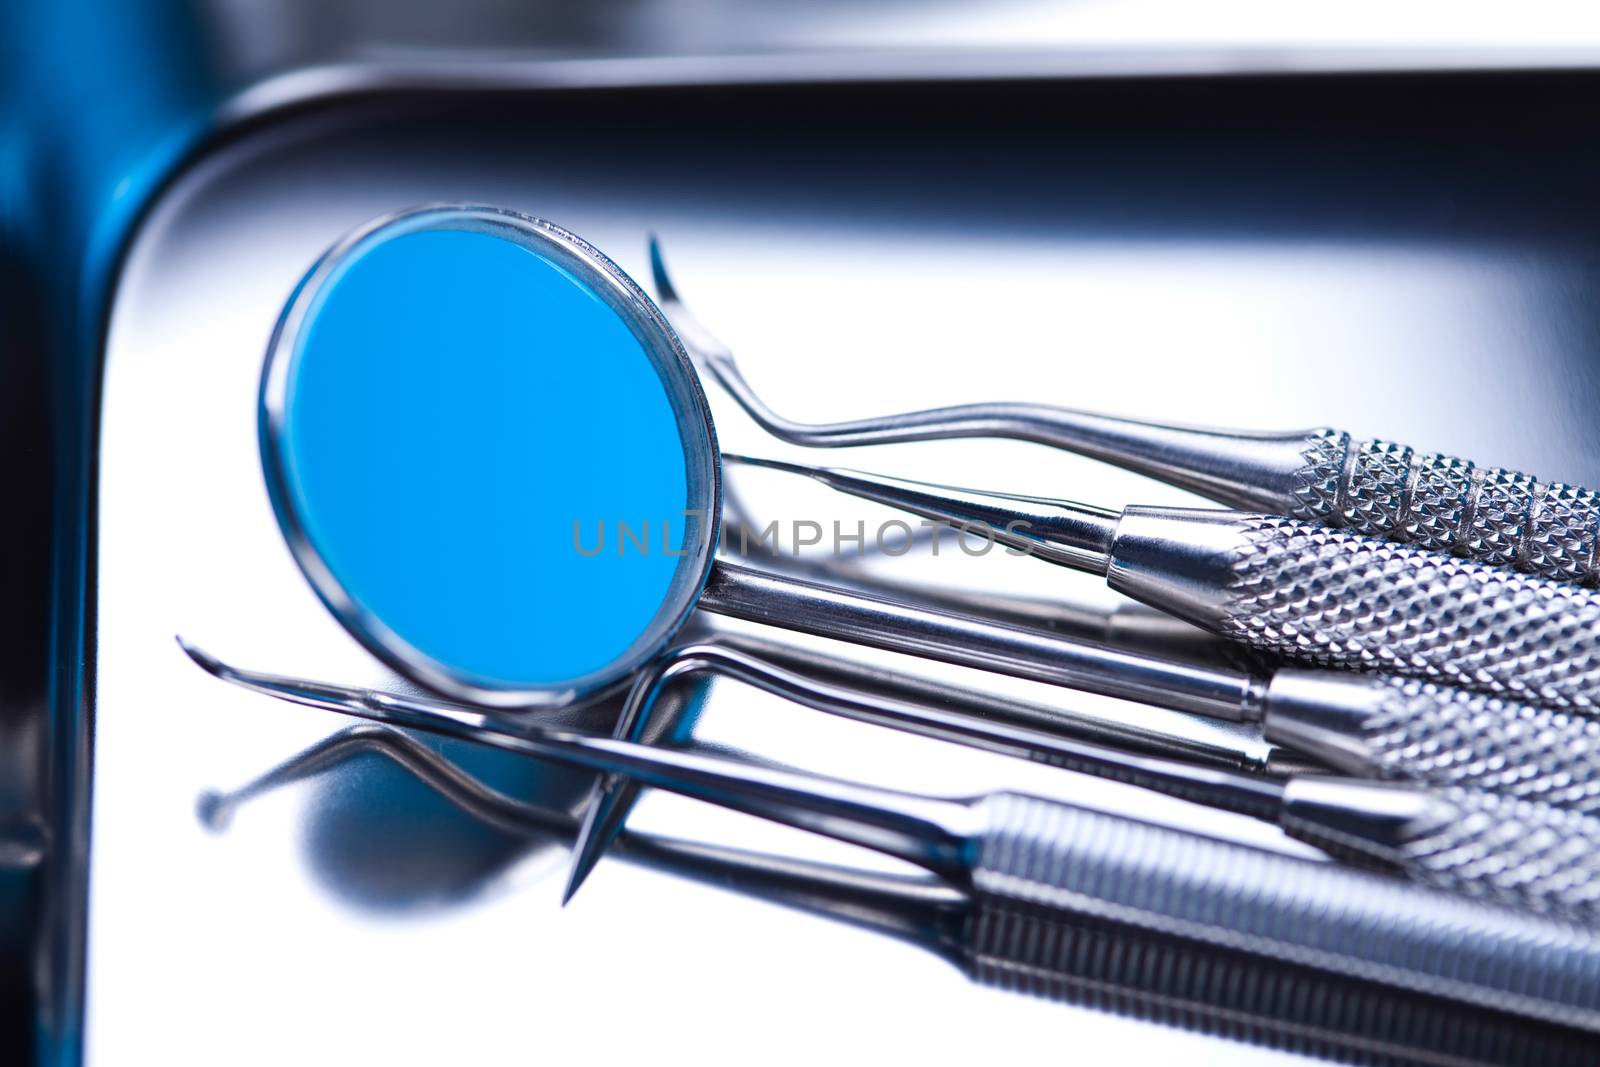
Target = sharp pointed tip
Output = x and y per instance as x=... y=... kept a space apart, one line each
x=584 y=857
x=740 y=460
x=207 y=662
x=587 y=842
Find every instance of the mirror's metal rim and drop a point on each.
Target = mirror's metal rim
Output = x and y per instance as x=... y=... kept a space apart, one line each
x=661 y=345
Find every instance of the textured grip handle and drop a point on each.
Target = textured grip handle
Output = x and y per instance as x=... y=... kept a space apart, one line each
x=1439 y=502
x=1179 y=982
x=1515 y=852
x=1447 y=736
x=1336 y=598
x=1076 y=867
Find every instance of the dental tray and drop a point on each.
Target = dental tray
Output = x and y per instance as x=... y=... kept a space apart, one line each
x=1399 y=256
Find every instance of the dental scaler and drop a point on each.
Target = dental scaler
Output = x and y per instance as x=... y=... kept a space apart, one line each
x=1322 y=476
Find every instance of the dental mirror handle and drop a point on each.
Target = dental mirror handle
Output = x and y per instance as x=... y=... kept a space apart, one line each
x=1047 y=876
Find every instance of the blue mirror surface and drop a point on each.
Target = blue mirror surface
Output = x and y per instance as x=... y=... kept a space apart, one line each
x=484 y=451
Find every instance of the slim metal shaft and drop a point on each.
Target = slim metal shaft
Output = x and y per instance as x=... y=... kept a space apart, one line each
x=1248 y=470
x=968 y=724
x=1515 y=852
x=1233 y=791
x=878 y=622
x=1237 y=746
x=914 y=907
x=1074 y=535
x=1377 y=488
x=927 y=831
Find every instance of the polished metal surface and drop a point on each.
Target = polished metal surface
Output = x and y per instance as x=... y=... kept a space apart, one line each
x=1073 y=535
x=1325 y=596
x=1255 y=471
x=921 y=830
x=1149 y=974
x=1412 y=729
x=910 y=906
x=1367 y=725
x=1521 y=853
x=1091 y=864
x=1239 y=275
x=1069 y=534
x=966 y=640
x=1277 y=584
x=1372 y=487
x=1051 y=859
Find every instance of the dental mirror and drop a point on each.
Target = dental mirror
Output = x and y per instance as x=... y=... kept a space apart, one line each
x=490 y=455
x=494 y=462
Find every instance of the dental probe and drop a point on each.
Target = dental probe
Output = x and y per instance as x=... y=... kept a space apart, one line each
x=1464 y=840
x=1229 y=745
x=1291 y=587
x=1036 y=868
x=1119 y=968
x=1365 y=724
x=1496 y=517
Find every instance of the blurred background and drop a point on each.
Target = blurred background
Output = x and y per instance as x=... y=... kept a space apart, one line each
x=1374 y=216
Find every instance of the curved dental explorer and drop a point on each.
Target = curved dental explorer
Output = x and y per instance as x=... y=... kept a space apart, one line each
x=1367 y=725
x=1285 y=586
x=1464 y=840
x=216 y=808
x=1378 y=488
x=1364 y=725
x=913 y=907
x=1035 y=869
x=1120 y=967
x=1361 y=723
x=1479 y=844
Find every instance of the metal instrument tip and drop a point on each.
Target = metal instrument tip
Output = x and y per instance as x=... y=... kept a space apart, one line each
x=665 y=291
x=207 y=662
x=587 y=846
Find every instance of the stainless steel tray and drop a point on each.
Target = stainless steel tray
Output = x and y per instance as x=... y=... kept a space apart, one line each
x=1410 y=257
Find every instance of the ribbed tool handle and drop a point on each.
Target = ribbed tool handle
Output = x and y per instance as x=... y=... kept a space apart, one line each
x=1438 y=502
x=1180 y=982
x=1075 y=866
x=1341 y=599
x=1446 y=736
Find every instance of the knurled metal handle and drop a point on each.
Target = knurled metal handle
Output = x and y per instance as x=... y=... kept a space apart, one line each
x=1438 y=502
x=1075 y=867
x=1339 y=599
x=1516 y=852
x=1446 y=736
